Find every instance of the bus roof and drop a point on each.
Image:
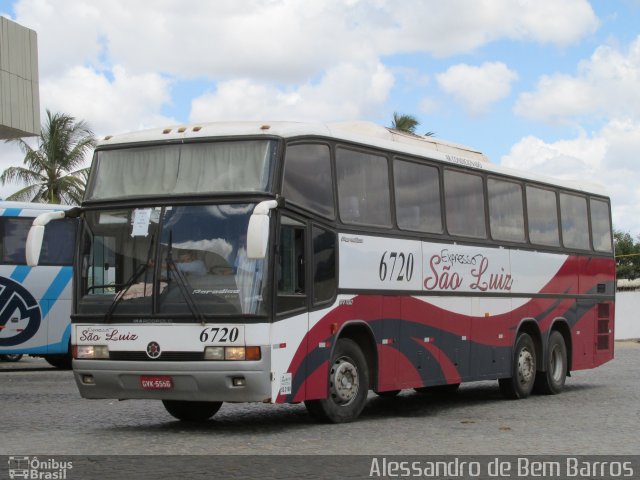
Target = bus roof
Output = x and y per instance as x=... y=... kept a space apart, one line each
x=28 y=209
x=363 y=133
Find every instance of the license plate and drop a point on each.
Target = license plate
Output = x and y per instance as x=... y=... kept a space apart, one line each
x=156 y=382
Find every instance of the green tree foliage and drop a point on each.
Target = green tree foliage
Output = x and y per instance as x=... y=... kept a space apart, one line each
x=404 y=123
x=627 y=255
x=53 y=172
x=407 y=123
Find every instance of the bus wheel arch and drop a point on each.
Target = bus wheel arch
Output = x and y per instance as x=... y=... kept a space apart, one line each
x=349 y=376
x=361 y=334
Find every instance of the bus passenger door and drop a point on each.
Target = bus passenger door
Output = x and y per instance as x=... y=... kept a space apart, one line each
x=288 y=348
x=322 y=318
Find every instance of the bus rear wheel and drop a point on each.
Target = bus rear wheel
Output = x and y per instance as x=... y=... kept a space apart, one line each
x=523 y=369
x=191 y=411
x=348 y=385
x=551 y=381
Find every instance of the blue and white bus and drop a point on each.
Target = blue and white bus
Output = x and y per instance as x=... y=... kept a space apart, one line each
x=35 y=302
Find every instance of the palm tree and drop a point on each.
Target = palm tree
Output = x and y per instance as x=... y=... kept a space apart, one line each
x=404 y=123
x=407 y=123
x=53 y=173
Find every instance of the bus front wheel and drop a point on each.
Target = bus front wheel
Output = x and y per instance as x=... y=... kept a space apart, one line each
x=523 y=369
x=10 y=357
x=191 y=411
x=61 y=362
x=348 y=385
x=551 y=381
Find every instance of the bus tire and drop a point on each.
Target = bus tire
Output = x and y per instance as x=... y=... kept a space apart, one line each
x=348 y=385
x=11 y=357
x=551 y=381
x=62 y=362
x=523 y=368
x=187 y=411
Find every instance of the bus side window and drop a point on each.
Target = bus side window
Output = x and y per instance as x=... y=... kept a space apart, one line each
x=542 y=212
x=600 y=225
x=307 y=178
x=291 y=266
x=59 y=243
x=464 y=204
x=14 y=237
x=363 y=188
x=324 y=265
x=574 y=221
x=506 y=217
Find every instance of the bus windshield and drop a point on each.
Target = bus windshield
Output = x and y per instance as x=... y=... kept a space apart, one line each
x=183 y=261
x=211 y=167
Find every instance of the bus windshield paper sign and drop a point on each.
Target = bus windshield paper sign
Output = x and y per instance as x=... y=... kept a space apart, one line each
x=141 y=219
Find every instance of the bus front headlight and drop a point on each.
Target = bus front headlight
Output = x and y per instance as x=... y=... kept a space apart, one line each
x=232 y=353
x=90 y=352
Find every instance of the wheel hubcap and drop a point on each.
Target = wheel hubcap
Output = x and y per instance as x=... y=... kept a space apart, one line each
x=344 y=381
x=526 y=366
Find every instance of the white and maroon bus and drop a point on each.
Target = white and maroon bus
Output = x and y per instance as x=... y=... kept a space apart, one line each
x=291 y=262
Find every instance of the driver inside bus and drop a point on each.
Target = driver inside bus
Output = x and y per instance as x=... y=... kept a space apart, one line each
x=186 y=263
x=190 y=265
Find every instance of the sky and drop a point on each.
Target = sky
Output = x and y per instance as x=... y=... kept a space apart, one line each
x=546 y=86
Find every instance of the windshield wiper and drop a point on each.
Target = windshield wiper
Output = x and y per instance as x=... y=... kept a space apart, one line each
x=182 y=282
x=120 y=295
x=128 y=284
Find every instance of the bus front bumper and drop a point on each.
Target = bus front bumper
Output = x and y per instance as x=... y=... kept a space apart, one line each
x=224 y=381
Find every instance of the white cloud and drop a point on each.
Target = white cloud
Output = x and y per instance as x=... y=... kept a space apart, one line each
x=608 y=157
x=68 y=32
x=109 y=105
x=447 y=28
x=476 y=88
x=606 y=84
x=283 y=40
x=112 y=62
x=344 y=92
x=10 y=155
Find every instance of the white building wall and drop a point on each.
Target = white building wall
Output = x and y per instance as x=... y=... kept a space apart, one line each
x=19 y=85
x=627 y=315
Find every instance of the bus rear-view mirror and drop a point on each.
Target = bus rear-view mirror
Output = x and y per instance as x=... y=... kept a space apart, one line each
x=34 y=245
x=36 y=235
x=258 y=230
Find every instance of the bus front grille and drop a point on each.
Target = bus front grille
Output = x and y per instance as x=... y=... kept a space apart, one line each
x=164 y=357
